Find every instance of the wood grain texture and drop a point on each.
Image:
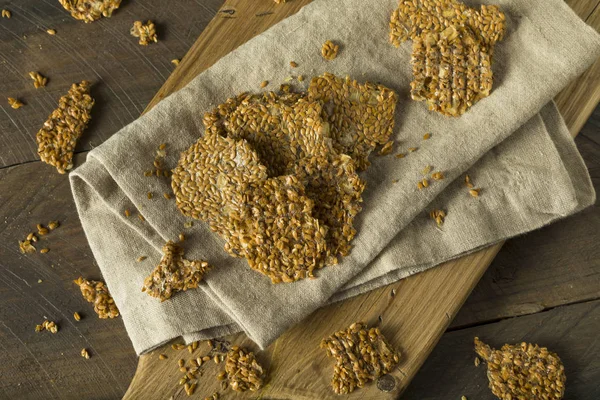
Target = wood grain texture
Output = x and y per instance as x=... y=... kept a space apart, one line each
x=112 y=362
x=570 y=331
x=126 y=75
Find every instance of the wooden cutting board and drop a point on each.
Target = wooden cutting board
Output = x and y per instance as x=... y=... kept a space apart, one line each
x=412 y=313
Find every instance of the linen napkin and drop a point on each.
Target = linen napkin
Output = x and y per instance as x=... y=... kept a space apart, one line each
x=530 y=172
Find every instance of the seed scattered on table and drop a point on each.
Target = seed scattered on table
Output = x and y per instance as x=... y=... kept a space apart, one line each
x=523 y=371
x=400 y=155
x=51 y=32
x=162 y=357
x=174 y=273
x=361 y=354
x=44 y=250
x=145 y=32
x=47 y=325
x=76 y=316
x=300 y=78
x=425 y=183
x=90 y=10
x=127 y=213
x=42 y=230
x=167 y=196
x=6 y=14
x=463 y=398
x=412 y=149
x=52 y=225
x=26 y=247
x=427 y=136
x=293 y=64
x=477 y=361
x=329 y=50
x=279 y=1
x=175 y=61
x=141 y=258
x=96 y=292
x=264 y=84
x=141 y=217
x=149 y=195
x=15 y=103
x=58 y=137
x=243 y=370
x=85 y=354
x=38 y=80
x=426 y=170
x=474 y=192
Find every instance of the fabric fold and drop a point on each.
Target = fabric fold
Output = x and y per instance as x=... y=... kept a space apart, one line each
x=527 y=166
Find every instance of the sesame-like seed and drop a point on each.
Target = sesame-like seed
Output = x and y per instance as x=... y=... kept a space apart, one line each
x=438 y=176
x=85 y=354
x=44 y=250
x=127 y=213
x=264 y=84
x=14 y=103
x=51 y=32
x=426 y=136
x=76 y=316
x=474 y=192
x=141 y=258
x=293 y=64
x=162 y=357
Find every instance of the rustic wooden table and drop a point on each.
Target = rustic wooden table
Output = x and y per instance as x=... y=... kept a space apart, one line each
x=542 y=287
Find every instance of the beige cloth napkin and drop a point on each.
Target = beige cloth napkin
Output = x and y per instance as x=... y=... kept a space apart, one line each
x=529 y=170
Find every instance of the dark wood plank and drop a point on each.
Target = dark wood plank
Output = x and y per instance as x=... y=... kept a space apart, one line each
x=556 y=265
x=571 y=331
x=43 y=365
x=126 y=74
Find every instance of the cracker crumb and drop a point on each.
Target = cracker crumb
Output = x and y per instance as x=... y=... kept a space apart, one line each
x=145 y=32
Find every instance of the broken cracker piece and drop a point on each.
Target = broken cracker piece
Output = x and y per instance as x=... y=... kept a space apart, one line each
x=90 y=10
x=96 y=292
x=523 y=371
x=58 y=137
x=361 y=354
x=174 y=273
x=243 y=370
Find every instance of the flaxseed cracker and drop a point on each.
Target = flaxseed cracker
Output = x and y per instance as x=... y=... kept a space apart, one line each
x=414 y=18
x=360 y=116
x=97 y=293
x=523 y=371
x=282 y=129
x=90 y=10
x=335 y=188
x=452 y=70
x=58 y=137
x=243 y=370
x=276 y=231
x=208 y=176
x=361 y=354
x=174 y=273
